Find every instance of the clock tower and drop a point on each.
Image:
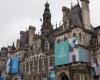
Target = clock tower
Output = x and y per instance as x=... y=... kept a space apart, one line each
x=46 y=26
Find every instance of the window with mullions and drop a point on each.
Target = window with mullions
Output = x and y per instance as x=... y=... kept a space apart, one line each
x=86 y=78
x=40 y=65
x=35 y=66
x=45 y=63
x=47 y=46
x=31 y=66
x=50 y=62
x=77 y=77
x=74 y=34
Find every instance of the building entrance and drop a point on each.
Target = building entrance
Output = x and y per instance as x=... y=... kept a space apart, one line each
x=63 y=76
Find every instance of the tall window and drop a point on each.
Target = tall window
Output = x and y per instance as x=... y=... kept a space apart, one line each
x=40 y=65
x=85 y=77
x=35 y=66
x=45 y=63
x=78 y=77
x=80 y=36
x=50 y=61
x=74 y=58
x=74 y=34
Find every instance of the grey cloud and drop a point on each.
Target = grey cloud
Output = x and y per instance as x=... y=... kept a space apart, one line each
x=16 y=15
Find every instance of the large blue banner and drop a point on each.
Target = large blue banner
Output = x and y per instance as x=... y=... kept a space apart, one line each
x=61 y=53
x=1 y=78
x=14 y=66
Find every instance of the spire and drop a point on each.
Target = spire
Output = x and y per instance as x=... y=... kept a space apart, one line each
x=13 y=46
x=46 y=26
x=47 y=4
x=78 y=1
x=46 y=14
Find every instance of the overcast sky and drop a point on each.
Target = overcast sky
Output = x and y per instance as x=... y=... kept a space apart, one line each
x=17 y=15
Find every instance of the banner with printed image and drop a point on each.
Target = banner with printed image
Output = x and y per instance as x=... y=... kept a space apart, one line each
x=73 y=50
x=14 y=65
x=68 y=51
x=61 y=53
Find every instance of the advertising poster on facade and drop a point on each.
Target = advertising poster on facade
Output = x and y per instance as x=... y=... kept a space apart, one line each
x=1 y=78
x=61 y=53
x=69 y=51
x=8 y=65
x=77 y=53
x=14 y=65
x=73 y=50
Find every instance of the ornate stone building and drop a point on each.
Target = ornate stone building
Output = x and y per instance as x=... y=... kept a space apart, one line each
x=37 y=52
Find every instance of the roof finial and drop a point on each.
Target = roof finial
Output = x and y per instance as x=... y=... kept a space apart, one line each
x=47 y=4
x=71 y=3
x=56 y=25
x=78 y=1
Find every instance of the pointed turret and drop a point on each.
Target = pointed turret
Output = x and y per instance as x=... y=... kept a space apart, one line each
x=13 y=46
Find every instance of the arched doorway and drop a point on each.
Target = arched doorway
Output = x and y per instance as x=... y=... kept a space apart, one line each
x=63 y=76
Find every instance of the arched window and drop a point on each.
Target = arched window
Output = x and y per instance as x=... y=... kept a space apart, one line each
x=74 y=58
x=74 y=34
x=64 y=76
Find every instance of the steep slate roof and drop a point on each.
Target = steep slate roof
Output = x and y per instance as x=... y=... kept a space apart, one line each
x=76 y=15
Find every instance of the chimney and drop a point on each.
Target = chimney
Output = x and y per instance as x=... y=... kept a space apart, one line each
x=66 y=12
x=31 y=35
x=86 y=14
